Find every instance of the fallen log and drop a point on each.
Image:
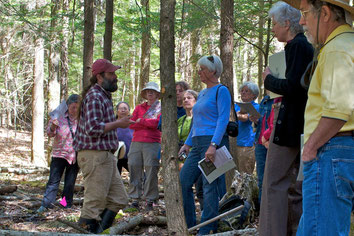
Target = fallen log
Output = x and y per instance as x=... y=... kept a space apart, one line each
x=74 y=226
x=25 y=233
x=7 y=189
x=240 y=232
x=126 y=225
x=21 y=171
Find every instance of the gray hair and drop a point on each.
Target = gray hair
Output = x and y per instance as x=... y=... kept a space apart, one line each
x=251 y=86
x=282 y=12
x=213 y=63
x=192 y=92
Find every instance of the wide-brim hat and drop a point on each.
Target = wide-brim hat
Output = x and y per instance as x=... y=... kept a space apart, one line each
x=340 y=3
x=150 y=85
x=120 y=153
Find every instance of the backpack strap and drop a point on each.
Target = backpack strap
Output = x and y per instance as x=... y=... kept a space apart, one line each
x=232 y=102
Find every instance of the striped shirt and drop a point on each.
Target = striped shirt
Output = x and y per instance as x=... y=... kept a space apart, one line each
x=96 y=111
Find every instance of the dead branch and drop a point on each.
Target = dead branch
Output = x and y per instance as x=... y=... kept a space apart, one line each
x=25 y=233
x=7 y=189
x=74 y=226
x=241 y=232
x=126 y=225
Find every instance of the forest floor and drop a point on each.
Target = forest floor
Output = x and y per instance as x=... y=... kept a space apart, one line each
x=18 y=209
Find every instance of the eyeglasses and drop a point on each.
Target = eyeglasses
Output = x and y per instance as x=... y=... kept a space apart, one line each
x=304 y=13
x=211 y=59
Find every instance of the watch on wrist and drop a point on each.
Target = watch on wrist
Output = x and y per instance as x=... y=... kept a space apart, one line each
x=213 y=144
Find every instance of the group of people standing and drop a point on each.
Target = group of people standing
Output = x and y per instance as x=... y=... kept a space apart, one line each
x=318 y=104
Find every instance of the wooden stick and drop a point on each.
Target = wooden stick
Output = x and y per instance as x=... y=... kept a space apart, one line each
x=215 y=218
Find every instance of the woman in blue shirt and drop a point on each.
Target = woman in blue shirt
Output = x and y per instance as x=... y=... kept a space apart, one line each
x=210 y=118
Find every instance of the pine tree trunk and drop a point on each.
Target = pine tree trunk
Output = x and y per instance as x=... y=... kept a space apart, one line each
x=195 y=54
x=37 y=149
x=107 y=46
x=64 y=70
x=88 y=42
x=145 y=48
x=173 y=195
x=226 y=53
x=260 y=45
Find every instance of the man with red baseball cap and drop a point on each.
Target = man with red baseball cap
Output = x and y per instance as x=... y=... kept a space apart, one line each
x=95 y=142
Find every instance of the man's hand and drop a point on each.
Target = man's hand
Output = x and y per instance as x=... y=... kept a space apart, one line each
x=266 y=72
x=308 y=154
x=125 y=122
x=210 y=154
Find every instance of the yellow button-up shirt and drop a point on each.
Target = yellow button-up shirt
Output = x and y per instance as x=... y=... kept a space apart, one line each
x=331 y=92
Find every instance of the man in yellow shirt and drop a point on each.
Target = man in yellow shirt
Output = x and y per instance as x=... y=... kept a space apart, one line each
x=328 y=154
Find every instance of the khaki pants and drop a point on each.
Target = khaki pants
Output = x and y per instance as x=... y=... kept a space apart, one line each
x=143 y=169
x=281 y=204
x=103 y=185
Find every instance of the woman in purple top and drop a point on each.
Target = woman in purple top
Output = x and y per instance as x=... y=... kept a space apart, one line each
x=63 y=156
x=124 y=134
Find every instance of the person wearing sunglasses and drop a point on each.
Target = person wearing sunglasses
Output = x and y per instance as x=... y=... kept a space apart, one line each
x=210 y=118
x=281 y=205
x=328 y=154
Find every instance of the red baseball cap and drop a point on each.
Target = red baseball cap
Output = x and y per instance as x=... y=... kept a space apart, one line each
x=103 y=65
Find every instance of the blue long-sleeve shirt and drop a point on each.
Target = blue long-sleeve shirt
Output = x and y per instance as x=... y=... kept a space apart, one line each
x=246 y=135
x=211 y=114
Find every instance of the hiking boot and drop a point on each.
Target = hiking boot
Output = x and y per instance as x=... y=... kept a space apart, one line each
x=88 y=224
x=42 y=209
x=135 y=204
x=107 y=217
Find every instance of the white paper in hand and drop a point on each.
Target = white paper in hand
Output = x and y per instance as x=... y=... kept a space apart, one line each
x=59 y=111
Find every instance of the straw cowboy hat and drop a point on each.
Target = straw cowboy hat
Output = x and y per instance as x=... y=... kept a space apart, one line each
x=151 y=85
x=120 y=153
x=340 y=3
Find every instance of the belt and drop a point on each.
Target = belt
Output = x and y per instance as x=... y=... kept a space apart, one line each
x=344 y=133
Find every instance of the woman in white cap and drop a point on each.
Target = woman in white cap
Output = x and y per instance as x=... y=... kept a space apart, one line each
x=142 y=156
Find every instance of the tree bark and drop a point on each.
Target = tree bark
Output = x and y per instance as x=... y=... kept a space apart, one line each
x=173 y=195
x=226 y=54
x=64 y=70
x=145 y=48
x=107 y=46
x=88 y=42
x=195 y=54
x=37 y=148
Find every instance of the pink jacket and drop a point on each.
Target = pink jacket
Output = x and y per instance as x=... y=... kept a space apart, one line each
x=146 y=129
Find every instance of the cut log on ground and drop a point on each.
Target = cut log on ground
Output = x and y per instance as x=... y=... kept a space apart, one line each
x=7 y=189
x=22 y=171
x=135 y=221
x=25 y=233
x=74 y=226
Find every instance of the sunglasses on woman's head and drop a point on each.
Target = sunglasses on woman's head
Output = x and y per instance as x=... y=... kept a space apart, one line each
x=211 y=59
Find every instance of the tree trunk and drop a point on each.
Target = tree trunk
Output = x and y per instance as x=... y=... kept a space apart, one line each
x=145 y=48
x=173 y=196
x=88 y=42
x=64 y=70
x=37 y=149
x=260 y=45
x=226 y=53
x=132 y=88
x=107 y=46
x=195 y=54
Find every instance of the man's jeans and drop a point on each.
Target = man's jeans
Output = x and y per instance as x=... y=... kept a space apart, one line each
x=260 y=154
x=328 y=190
x=57 y=167
x=211 y=192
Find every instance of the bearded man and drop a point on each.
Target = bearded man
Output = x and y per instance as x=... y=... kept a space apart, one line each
x=96 y=141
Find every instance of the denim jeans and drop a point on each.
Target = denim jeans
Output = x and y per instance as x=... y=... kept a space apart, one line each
x=328 y=189
x=261 y=154
x=211 y=192
x=57 y=167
